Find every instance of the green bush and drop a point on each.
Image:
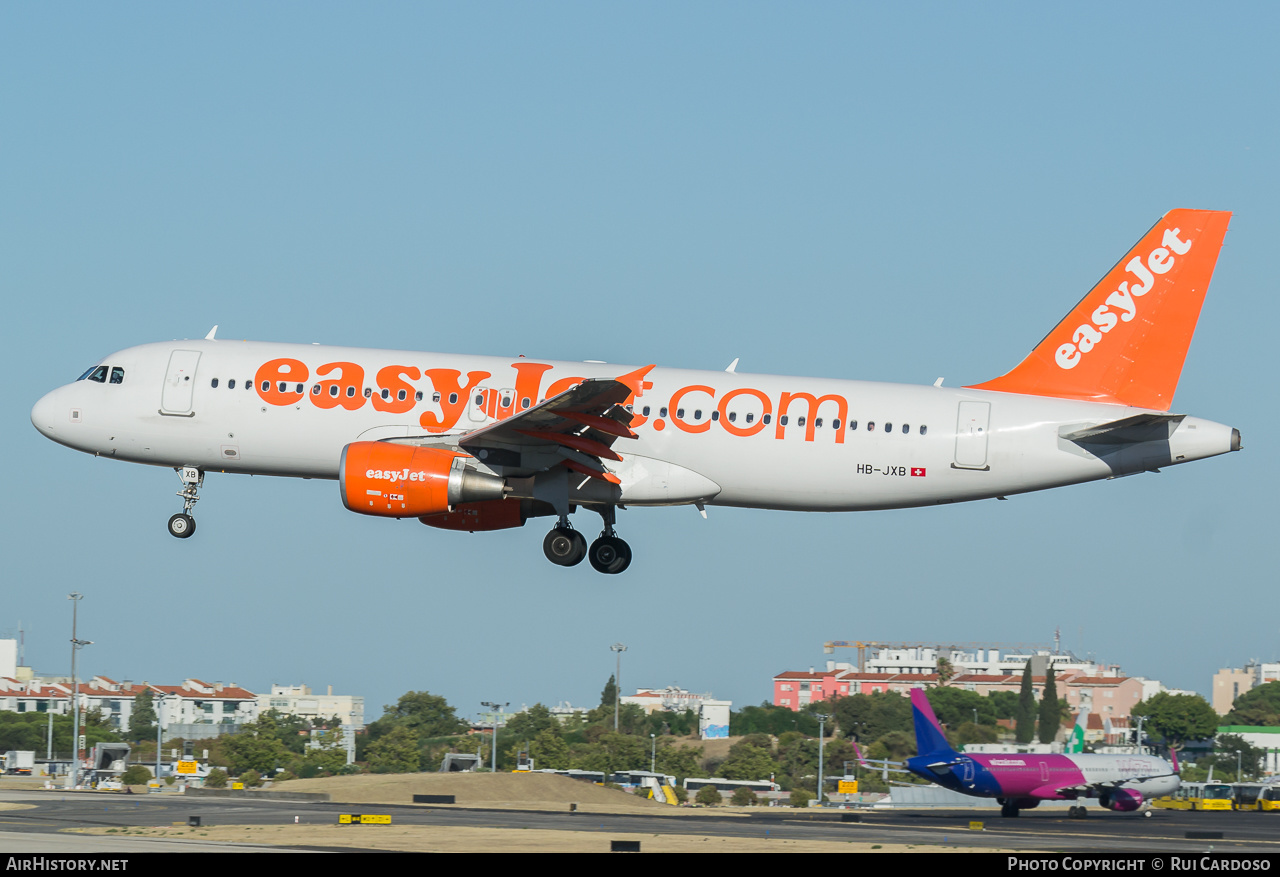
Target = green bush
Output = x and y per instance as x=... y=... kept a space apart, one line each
x=251 y=779
x=743 y=797
x=217 y=779
x=709 y=795
x=800 y=798
x=135 y=775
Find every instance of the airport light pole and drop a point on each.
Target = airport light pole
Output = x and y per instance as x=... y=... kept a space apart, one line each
x=73 y=777
x=618 y=649
x=497 y=708
x=653 y=753
x=822 y=718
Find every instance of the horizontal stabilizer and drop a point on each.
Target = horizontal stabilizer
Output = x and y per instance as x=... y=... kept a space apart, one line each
x=1130 y=430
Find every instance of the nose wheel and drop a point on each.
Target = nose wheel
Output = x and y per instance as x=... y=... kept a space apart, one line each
x=182 y=525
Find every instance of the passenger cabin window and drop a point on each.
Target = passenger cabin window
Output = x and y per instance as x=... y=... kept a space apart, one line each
x=386 y=394
x=923 y=430
x=368 y=391
x=905 y=429
x=888 y=427
x=853 y=424
x=117 y=376
x=231 y=384
x=871 y=426
x=214 y=383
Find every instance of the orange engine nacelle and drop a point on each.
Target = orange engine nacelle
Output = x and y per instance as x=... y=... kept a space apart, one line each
x=403 y=481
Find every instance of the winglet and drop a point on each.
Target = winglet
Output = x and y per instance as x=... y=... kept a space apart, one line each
x=929 y=735
x=1125 y=342
x=212 y=332
x=1173 y=754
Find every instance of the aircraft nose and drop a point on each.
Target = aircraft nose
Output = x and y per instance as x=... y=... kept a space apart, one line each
x=50 y=413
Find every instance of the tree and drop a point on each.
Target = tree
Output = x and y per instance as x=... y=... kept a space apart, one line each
x=1025 y=717
x=1176 y=719
x=709 y=795
x=1225 y=761
x=770 y=719
x=750 y=759
x=549 y=750
x=946 y=670
x=800 y=798
x=609 y=697
x=142 y=720
x=743 y=797
x=217 y=779
x=868 y=717
x=425 y=714
x=1050 y=714
x=1257 y=706
x=394 y=752
x=531 y=722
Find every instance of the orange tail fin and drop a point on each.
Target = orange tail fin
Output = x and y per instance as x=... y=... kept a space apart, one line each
x=1126 y=340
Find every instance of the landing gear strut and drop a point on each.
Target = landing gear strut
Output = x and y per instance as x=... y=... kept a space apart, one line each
x=565 y=546
x=182 y=524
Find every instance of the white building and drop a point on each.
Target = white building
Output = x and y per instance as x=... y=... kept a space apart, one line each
x=299 y=700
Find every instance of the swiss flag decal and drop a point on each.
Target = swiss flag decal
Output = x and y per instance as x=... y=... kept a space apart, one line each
x=917 y=472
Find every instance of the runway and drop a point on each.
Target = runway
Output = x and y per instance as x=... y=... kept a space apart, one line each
x=1162 y=832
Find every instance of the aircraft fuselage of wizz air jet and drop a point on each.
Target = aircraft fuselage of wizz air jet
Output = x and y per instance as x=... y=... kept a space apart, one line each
x=1021 y=780
x=484 y=443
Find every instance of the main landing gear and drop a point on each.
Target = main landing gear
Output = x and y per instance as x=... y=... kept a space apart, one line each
x=182 y=524
x=565 y=546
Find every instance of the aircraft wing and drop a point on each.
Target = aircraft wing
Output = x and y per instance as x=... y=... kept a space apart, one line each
x=579 y=426
x=1084 y=788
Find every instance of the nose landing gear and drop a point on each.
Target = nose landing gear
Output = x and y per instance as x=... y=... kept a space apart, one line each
x=182 y=525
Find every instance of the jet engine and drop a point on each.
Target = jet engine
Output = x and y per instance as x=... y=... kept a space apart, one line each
x=1123 y=800
x=403 y=481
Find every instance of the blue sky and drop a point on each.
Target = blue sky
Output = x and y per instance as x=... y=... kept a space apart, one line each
x=885 y=191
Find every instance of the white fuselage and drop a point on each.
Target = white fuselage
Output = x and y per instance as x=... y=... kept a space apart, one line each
x=704 y=436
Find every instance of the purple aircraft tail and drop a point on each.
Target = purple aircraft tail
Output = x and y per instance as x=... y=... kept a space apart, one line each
x=929 y=736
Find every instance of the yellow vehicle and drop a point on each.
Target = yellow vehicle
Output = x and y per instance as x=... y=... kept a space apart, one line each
x=1198 y=796
x=1270 y=798
x=1246 y=795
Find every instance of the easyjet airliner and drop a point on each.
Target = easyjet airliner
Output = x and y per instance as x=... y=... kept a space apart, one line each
x=485 y=443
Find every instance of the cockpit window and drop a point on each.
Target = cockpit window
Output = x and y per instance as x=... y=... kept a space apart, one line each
x=88 y=372
x=98 y=374
x=117 y=374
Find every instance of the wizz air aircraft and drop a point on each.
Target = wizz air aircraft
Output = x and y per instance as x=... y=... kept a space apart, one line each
x=1020 y=781
x=485 y=443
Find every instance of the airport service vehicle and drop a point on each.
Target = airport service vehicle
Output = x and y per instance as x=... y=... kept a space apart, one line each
x=1199 y=796
x=1020 y=781
x=20 y=761
x=1269 y=800
x=485 y=443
